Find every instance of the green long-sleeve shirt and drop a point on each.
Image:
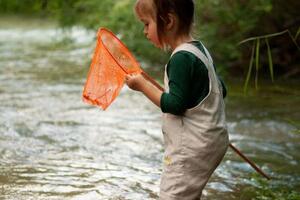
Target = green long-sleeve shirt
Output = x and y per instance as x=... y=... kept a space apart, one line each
x=188 y=82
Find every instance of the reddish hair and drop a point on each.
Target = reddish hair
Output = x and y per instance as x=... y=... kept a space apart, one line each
x=182 y=9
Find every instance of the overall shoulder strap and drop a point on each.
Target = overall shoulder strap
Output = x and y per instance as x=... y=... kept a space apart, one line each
x=207 y=60
x=194 y=50
x=207 y=53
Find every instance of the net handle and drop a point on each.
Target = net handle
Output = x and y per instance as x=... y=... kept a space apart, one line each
x=252 y=164
x=149 y=78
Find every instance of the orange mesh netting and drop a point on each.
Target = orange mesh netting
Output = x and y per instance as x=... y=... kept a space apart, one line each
x=111 y=62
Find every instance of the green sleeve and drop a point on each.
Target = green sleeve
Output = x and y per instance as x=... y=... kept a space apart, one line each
x=179 y=70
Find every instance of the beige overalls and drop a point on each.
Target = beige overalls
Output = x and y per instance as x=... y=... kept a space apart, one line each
x=195 y=142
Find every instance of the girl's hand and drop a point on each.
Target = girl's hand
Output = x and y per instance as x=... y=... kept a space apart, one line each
x=135 y=81
x=139 y=83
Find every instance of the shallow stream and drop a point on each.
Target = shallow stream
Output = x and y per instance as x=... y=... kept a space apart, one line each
x=54 y=146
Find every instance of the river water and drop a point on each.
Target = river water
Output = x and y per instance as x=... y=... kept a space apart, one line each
x=54 y=146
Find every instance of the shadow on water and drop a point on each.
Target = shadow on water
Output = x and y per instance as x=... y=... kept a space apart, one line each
x=53 y=146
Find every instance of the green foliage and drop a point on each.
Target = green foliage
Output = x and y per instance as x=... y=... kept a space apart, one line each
x=26 y=6
x=220 y=24
x=295 y=123
x=297 y=34
x=116 y=15
x=257 y=45
x=269 y=190
x=249 y=70
x=270 y=59
x=257 y=62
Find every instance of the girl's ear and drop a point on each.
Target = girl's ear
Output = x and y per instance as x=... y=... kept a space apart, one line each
x=171 y=21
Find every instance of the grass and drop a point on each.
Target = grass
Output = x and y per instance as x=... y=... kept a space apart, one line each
x=269 y=190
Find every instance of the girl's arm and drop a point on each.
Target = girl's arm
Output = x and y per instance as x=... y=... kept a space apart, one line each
x=139 y=83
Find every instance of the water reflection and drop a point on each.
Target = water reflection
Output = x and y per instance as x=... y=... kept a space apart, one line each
x=53 y=146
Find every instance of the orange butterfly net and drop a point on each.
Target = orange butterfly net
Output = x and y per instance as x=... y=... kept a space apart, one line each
x=111 y=62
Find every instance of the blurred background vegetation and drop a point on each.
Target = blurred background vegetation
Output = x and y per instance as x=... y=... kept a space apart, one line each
x=221 y=25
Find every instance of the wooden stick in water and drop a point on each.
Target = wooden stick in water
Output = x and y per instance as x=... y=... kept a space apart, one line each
x=253 y=165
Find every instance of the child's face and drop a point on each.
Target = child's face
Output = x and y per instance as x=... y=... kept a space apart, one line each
x=150 y=29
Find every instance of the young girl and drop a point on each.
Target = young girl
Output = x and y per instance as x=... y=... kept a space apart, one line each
x=194 y=127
